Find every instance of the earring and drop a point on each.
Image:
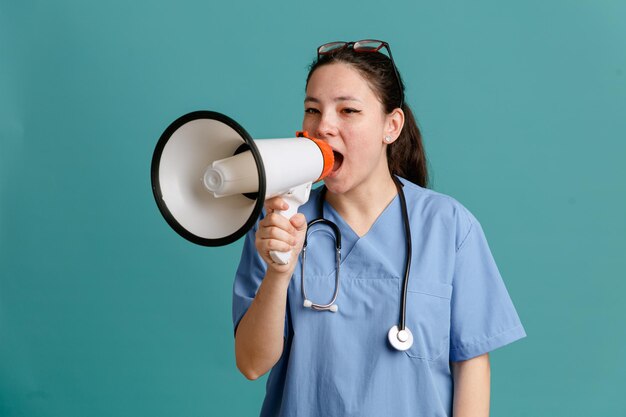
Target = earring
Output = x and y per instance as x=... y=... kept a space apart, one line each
x=387 y=139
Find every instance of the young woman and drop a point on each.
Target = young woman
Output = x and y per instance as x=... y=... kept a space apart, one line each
x=419 y=303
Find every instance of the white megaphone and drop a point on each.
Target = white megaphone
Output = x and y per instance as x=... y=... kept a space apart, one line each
x=210 y=178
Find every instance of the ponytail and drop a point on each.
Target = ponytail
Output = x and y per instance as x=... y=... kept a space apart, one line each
x=406 y=156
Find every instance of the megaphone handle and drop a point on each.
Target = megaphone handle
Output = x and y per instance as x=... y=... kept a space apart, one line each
x=295 y=198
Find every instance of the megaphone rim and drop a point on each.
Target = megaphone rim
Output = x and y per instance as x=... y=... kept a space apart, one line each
x=158 y=195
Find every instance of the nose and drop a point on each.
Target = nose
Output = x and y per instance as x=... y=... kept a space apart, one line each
x=326 y=126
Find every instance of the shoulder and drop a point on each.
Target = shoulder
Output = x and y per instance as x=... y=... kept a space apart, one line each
x=437 y=210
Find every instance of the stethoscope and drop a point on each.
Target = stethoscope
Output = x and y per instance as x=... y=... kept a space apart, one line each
x=399 y=336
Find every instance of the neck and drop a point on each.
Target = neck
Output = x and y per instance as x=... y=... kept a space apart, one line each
x=361 y=206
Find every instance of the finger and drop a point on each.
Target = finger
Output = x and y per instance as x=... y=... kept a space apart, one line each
x=298 y=221
x=277 y=233
x=270 y=245
x=277 y=220
x=275 y=203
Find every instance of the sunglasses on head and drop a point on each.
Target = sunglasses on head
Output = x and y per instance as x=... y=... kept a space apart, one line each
x=362 y=46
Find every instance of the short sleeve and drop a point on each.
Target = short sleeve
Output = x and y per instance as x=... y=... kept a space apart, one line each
x=483 y=317
x=248 y=278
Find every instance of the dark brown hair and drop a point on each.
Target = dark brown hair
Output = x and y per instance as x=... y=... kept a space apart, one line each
x=406 y=156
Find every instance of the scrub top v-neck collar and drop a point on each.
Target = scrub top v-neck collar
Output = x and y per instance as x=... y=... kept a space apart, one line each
x=377 y=234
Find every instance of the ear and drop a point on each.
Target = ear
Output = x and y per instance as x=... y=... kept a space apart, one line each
x=394 y=122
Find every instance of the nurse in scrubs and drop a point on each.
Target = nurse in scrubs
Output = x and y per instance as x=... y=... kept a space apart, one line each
x=341 y=363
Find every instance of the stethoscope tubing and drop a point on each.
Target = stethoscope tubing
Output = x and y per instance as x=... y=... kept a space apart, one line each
x=308 y=303
x=409 y=251
x=407 y=267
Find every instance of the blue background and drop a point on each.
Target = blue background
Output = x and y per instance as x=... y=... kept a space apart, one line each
x=105 y=311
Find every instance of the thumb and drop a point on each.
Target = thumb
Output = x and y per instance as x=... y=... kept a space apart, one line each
x=299 y=222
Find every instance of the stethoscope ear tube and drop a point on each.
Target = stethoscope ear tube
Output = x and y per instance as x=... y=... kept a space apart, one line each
x=332 y=307
x=329 y=224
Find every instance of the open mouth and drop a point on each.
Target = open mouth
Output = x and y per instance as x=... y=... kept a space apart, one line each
x=338 y=160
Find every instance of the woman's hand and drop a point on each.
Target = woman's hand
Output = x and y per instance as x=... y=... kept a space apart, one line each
x=276 y=233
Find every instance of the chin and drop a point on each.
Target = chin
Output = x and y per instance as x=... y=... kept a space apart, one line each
x=336 y=186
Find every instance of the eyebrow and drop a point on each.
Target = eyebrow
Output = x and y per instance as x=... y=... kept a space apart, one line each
x=336 y=99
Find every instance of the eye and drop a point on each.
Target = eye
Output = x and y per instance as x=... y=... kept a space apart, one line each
x=350 y=110
x=311 y=110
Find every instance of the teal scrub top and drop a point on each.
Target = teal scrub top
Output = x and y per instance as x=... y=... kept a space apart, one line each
x=341 y=364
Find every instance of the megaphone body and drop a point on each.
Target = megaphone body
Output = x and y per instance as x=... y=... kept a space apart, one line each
x=210 y=178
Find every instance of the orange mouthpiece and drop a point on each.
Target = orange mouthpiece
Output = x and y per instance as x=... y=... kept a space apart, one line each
x=327 y=153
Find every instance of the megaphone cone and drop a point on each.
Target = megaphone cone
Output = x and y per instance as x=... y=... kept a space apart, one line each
x=210 y=178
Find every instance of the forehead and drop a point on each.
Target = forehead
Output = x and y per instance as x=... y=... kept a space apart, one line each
x=339 y=79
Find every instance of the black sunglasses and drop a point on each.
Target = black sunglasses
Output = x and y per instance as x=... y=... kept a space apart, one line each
x=365 y=45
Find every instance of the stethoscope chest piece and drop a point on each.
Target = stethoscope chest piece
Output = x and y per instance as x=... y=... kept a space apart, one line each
x=400 y=339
